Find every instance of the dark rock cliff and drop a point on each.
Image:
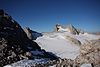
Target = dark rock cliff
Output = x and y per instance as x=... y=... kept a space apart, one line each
x=14 y=43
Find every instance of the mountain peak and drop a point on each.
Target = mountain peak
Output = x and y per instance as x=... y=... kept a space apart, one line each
x=70 y=28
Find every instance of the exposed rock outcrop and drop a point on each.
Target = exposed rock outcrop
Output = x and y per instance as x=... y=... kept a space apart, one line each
x=72 y=29
x=73 y=40
x=90 y=53
x=32 y=34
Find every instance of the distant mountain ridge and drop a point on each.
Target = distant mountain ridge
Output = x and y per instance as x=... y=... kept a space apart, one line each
x=69 y=28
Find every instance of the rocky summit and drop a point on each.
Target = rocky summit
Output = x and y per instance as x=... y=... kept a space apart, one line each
x=14 y=43
x=69 y=28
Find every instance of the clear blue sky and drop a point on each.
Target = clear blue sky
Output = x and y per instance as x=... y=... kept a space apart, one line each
x=42 y=15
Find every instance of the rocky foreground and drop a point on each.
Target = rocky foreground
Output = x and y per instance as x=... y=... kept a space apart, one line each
x=14 y=43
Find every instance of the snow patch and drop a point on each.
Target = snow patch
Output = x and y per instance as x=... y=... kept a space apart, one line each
x=28 y=63
x=86 y=65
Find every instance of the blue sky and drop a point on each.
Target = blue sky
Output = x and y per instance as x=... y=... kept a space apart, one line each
x=43 y=15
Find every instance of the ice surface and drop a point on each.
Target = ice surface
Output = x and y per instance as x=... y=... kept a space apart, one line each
x=57 y=43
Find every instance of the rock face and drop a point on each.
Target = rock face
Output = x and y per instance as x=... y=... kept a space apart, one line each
x=32 y=34
x=72 y=29
x=14 y=43
x=28 y=32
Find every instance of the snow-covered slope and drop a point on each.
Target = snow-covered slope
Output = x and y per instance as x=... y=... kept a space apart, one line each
x=62 y=43
x=28 y=63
